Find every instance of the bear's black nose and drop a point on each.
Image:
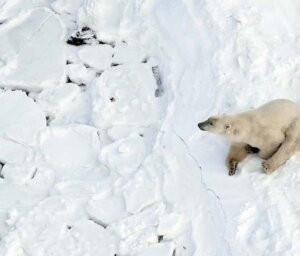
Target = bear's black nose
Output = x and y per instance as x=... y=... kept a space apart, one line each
x=200 y=125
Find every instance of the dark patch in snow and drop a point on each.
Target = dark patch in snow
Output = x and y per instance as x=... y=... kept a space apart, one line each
x=159 y=91
x=86 y=65
x=1 y=166
x=76 y=41
x=98 y=74
x=29 y=94
x=84 y=29
x=145 y=60
x=48 y=120
x=98 y=222
x=160 y=238
x=69 y=62
x=86 y=36
x=174 y=252
x=69 y=227
x=34 y=173
x=68 y=80
x=112 y=44
x=114 y=64
x=141 y=135
x=22 y=90
x=112 y=99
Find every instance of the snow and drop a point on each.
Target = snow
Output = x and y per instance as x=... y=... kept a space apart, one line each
x=125 y=155
x=140 y=192
x=125 y=95
x=96 y=56
x=159 y=250
x=32 y=50
x=23 y=124
x=107 y=210
x=171 y=225
x=125 y=53
x=69 y=148
x=100 y=152
x=80 y=74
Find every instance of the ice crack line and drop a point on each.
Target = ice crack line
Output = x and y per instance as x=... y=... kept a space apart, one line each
x=207 y=188
x=40 y=26
x=2 y=4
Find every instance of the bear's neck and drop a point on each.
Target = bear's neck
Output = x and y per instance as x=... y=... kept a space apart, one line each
x=249 y=132
x=252 y=130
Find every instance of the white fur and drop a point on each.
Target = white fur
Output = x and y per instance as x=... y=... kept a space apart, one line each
x=274 y=128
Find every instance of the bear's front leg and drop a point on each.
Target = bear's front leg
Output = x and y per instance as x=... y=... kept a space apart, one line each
x=268 y=166
x=232 y=166
x=237 y=153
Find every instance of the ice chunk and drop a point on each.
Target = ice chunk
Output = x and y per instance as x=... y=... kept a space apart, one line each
x=59 y=226
x=170 y=225
x=97 y=56
x=78 y=111
x=55 y=98
x=163 y=249
x=125 y=155
x=12 y=152
x=125 y=53
x=136 y=223
x=32 y=50
x=103 y=15
x=125 y=95
x=18 y=174
x=71 y=147
x=141 y=191
x=107 y=210
x=79 y=74
x=65 y=6
x=21 y=119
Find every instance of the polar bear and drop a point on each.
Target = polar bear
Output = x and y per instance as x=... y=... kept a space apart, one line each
x=272 y=131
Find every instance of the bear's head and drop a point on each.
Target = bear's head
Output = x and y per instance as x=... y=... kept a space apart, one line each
x=226 y=126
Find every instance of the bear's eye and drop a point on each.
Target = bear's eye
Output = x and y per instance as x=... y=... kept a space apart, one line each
x=210 y=123
x=227 y=126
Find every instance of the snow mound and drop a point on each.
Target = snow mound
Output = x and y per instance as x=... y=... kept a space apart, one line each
x=125 y=155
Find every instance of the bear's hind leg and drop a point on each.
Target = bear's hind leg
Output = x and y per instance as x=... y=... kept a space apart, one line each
x=289 y=146
x=237 y=153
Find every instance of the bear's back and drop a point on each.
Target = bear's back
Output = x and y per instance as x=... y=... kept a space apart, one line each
x=279 y=112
